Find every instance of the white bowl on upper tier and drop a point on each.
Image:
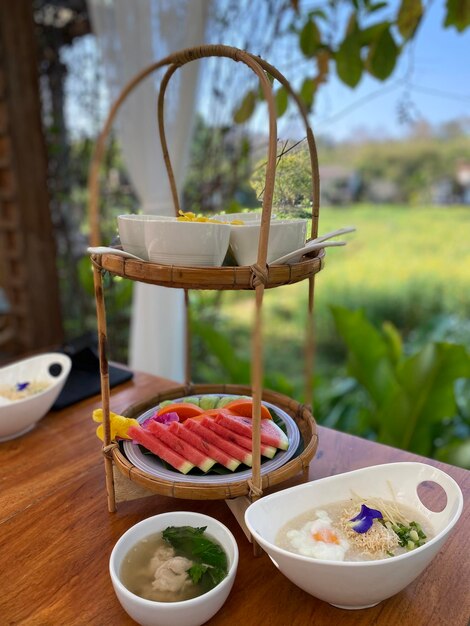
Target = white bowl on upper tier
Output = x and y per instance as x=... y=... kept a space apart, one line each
x=173 y=242
x=132 y=232
x=284 y=237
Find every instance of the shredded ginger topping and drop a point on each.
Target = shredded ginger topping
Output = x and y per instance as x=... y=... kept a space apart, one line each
x=377 y=541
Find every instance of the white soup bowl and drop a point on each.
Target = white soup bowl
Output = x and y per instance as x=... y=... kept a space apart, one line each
x=348 y=584
x=188 y=612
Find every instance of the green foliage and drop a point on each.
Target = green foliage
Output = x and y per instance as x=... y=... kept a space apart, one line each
x=310 y=38
x=411 y=167
x=118 y=306
x=219 y=169
x=371 y=39
x=458 y=14
x=293 y=180
x=406 y=396
x=307 y=91
x=230 y=365
x=409 y=16
x=417 y=296
x=282 y=100
x=246 y=108
x=349 y=64
x=383 y=54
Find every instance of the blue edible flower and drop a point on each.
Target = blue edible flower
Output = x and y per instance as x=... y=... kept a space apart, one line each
x=364 y=519
x=21 y=386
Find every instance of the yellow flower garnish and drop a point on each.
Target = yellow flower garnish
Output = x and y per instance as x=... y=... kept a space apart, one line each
x=118 y=423
x=192 y=217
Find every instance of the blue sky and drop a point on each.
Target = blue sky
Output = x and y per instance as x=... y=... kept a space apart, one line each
x=436 y=90
x=441 y=73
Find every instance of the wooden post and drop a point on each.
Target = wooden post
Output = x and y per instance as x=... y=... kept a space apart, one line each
x=27 y=247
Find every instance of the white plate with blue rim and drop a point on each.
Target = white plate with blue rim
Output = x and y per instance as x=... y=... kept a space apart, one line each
x=154 y=466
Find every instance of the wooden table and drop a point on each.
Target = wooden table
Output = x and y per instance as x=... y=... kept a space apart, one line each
x=56 y=535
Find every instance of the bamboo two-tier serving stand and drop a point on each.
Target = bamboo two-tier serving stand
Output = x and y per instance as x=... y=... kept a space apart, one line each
x=124 y=481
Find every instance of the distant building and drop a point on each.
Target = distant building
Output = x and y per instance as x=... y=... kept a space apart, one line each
x=462 y=177
x=339 y=184
x=453 y=189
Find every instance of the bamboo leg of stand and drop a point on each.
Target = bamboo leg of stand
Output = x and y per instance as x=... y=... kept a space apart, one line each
x=187 y=373
x=104 y=376
x=309 y=346
x=257 y=386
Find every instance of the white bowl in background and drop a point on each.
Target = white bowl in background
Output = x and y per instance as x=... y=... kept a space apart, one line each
x=173 y=242
x=132 y=232
x=189 y=612
x=17 y=417
x=284 y=236
x=347 y=584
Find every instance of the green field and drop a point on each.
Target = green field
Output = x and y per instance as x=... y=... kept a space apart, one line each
x=405 y=265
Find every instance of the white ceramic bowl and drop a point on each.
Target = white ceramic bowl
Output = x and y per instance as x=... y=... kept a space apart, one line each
x=190 y=612
x=132 y=232
x=172 y=242
x=245 y=217
x=355 y=585
x=284 y=236
x=17 y=417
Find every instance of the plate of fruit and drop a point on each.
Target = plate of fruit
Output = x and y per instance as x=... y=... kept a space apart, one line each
x=208 y=437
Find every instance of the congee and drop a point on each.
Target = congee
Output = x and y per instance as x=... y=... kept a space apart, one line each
x=20 y=391
x=357 y=529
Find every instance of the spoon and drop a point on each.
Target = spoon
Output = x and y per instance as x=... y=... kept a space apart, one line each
x=309 y=247
x=110 y=250
x=333 y=233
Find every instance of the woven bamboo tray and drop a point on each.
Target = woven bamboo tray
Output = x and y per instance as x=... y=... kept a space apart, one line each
x=200 y=490
x=257 y=277
x=215 y=278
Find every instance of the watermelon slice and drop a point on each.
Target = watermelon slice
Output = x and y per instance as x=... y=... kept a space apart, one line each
x=240 y=440
x=150 y=441
x=186 y=450
x=271 y=435
x=204 y=446
x=230 y=448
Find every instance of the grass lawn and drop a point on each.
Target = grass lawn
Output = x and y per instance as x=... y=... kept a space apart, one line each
x=403 y=264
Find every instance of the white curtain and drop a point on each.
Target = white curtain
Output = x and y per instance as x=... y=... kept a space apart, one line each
x=131 y=35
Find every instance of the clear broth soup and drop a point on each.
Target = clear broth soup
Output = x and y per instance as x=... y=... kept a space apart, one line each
x=152 y=570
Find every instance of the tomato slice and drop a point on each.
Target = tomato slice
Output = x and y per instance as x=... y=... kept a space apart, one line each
x=244 y=408
x=184 y=410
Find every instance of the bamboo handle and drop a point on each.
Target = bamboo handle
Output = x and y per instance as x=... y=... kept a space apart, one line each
x=259 y=270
